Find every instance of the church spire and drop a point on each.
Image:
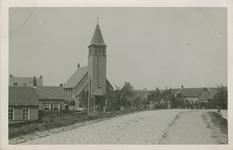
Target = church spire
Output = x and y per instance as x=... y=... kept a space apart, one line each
x=97 y=38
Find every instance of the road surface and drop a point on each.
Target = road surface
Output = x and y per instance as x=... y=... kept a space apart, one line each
x=145 y=127
x=191 y=128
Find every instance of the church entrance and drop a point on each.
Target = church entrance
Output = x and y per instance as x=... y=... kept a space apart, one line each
x=99 y=103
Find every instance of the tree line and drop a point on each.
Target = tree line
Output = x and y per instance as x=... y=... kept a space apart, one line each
x=126 y=96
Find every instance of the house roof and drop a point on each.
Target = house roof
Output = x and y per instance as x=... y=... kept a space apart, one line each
x=50 y=92
x=22 y=96
x=76 y=77
x=211 y=88
x=141 y=93
x=192 y=92
x=212 y=94
x=25 y=80
x=175 y=91
x=97 y=38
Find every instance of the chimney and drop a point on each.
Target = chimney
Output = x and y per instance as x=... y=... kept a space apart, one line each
x=157 y=88
x=41 y=77
x=182 y=86
x=145 y=89
x=11 y=76
x=61 y=85
x=34 y=81
x=78 y=65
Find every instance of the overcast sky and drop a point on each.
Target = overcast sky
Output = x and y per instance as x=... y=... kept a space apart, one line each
x=148 y=47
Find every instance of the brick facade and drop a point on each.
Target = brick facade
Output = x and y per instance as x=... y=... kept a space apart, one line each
x=18 y=112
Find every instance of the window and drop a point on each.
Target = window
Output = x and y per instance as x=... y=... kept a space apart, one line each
x=56 y=106
x=47 y=106
x=25 y=113
x=15 y=84
x=25 y=84
x=11 y=114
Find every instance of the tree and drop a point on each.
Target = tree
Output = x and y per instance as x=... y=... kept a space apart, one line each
x=180 y=100
x=166 y=95
x=220 y=97
x=120 y=97
x=127 y=94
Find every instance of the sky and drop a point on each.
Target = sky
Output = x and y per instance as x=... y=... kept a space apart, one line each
x=149 y=46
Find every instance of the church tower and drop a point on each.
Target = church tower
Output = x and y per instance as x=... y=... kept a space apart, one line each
x=96 y=69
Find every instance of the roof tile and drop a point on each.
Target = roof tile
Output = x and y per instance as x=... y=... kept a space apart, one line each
x=50 y=92
x=76 y=77
x=22 y=96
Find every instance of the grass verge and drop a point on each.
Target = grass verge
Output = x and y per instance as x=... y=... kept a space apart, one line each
x=219 y=122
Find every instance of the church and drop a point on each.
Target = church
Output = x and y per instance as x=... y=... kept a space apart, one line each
x=90 y=80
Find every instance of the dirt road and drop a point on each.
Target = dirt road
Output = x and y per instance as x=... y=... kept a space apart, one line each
x=190 y=128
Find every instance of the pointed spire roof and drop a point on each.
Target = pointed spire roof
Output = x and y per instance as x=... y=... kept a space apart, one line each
x=97 y=38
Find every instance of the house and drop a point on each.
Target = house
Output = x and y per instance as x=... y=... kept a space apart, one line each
x=24 y=81
x=90 y=79
x=50 y=97
x=194 y=95
x=142 y=94
x=23 y=103
x=210 y=99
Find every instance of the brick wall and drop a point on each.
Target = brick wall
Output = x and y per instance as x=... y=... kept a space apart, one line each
x=18 y=112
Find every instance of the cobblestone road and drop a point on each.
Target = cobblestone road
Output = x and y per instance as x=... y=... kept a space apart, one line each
x=145 y=127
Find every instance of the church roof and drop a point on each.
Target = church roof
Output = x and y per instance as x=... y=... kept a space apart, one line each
x=76 y=77
x=97 y=38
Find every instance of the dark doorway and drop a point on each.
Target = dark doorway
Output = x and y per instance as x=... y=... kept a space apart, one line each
x=99 y=102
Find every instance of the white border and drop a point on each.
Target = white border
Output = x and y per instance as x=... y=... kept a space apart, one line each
x=5 y=4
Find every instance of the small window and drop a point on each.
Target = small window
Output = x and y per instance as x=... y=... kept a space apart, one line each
x=11 y=114
x=25 y=84
x=15 y=84
x=47 y=106
x=56 y=106
x=25 y=114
